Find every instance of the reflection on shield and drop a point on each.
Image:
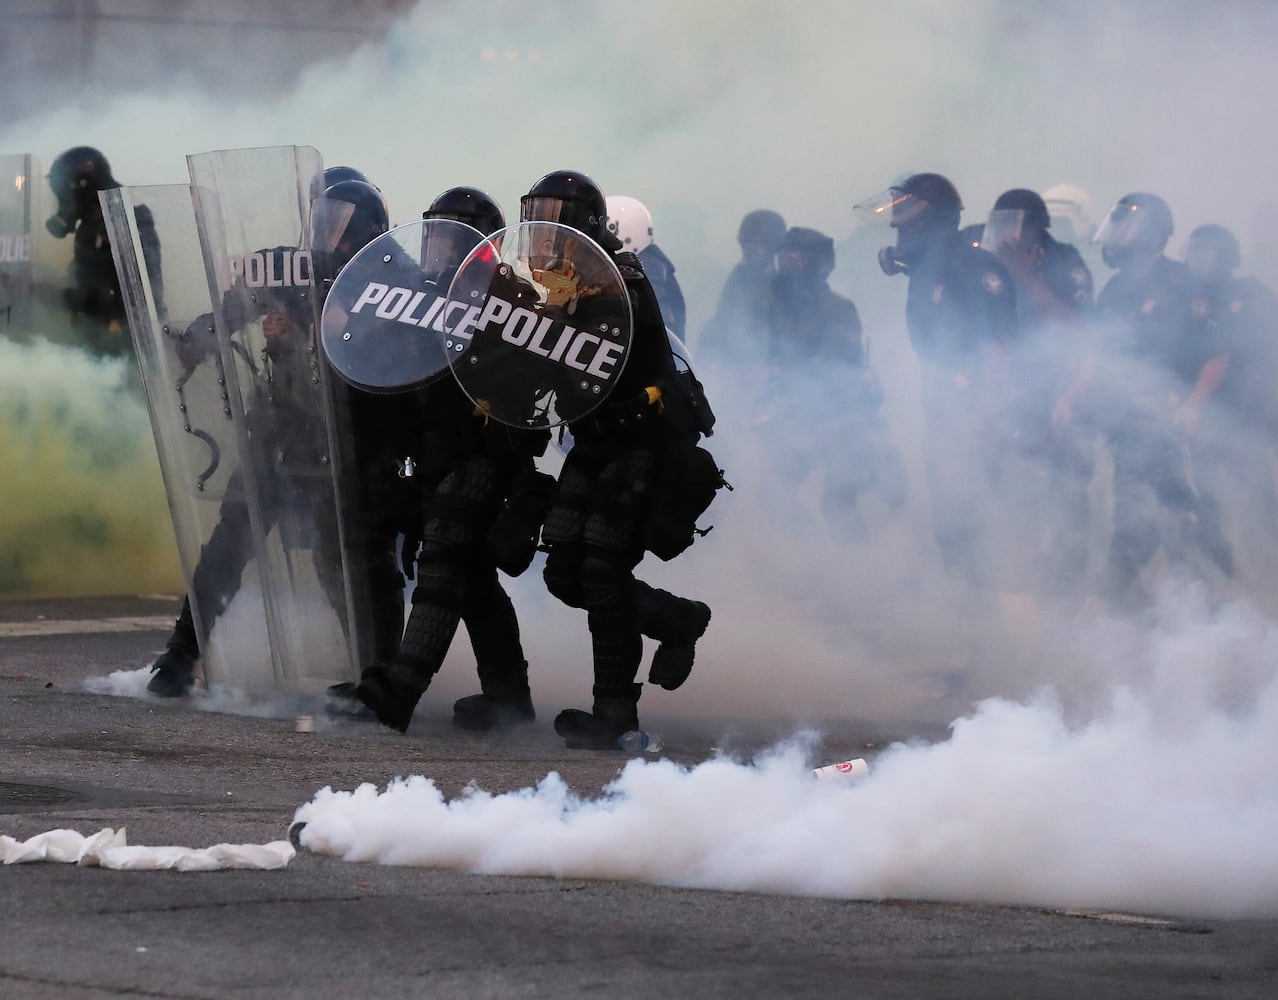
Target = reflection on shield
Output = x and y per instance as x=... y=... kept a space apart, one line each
x=538 y=325
x=16 y=193
x=195 y=427
x=383 y=321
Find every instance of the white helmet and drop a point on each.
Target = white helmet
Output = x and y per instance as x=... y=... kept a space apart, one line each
x=630 y=221
x=1071 y=210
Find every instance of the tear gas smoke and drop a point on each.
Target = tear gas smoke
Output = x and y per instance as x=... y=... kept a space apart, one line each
x=1161 y=802
x=82 y=505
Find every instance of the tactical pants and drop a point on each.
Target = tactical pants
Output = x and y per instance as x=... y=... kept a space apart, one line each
x=457 y=582
x=594 y=532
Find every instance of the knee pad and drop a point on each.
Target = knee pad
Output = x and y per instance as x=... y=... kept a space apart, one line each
x=566 y=518
x=619 y=505
x=465 y=500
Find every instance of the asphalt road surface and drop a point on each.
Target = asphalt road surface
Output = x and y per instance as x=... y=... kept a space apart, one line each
x=327 y=928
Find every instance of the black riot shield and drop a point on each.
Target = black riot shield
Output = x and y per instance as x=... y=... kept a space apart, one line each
x=252 y=226
x=385 y=315
x=170 y=316
x=16 y=195
x=538 y=325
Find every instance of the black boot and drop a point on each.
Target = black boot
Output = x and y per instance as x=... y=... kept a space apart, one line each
x=676 y=623
x=391 y=691
x=601 y=728
x=173 y=672
x=504 y=701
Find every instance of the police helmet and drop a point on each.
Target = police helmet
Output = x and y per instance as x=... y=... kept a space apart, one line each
x=762 y=226
x=806 y=252
x=1030 y=203
x=345 y=219
x=1138 y=221
x=333 y=175
x=630 y=221
x=1213 y=252
x=468 y=205
x=573 y=199
x=81 y=167
x=1071 y=207
x=926 y=200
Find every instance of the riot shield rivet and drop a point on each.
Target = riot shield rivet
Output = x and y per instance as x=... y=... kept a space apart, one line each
x=323 y=460
x=474 y=294
x=187 y=428
x=595 y=390
x=226 y=410
x=386 y=259
x=503 y=270
x=182 y=408
x=221 y=381
x=603 y=327
x=582 y=385
x=199 y=487
x=616 y=331
x=346 y=336
x=474 y=360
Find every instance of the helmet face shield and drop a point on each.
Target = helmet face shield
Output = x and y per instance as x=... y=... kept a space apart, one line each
x=1004 y=229
x=445 y=244
x=546 y=246
x=536 y=208
x=330 y=219
x=893 y=207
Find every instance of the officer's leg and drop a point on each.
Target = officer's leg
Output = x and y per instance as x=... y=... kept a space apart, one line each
x=676 y=623
x=1135 y=536
x=215 y=582
x=460 y=504
x=493 y=627
x=612 y=550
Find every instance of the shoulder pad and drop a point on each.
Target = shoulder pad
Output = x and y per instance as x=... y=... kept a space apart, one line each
x=629 y=264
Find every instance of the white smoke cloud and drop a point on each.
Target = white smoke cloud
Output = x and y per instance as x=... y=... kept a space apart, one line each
x=1159 y=802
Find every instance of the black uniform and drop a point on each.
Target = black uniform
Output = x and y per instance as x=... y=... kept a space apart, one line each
x=1164 y=336
x=961 y=313
x=815 y=341
x=661 y=275
x=1045 y=361
x=76 y=177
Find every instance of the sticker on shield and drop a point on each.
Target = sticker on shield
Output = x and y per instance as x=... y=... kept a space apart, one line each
x=384 y=317
x=538 y=327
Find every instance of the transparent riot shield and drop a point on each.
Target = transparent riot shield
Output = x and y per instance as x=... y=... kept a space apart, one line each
x=170 y=316
x=538 y=325
x=253 y=231
x=16 y=278
x=385 y=315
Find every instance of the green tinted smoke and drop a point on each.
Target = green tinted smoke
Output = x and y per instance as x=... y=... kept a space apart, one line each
x=82 y=504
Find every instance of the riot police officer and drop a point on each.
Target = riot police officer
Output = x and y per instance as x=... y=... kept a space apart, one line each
x=630 y=221
x=623 y=490
x=815 y=342
x=1167 y=362
x=738 y=329
x=1054 y=301
x=961 y=313
x=482 y=504
x=1233 y=451
x=344 y=218
x=75 y=177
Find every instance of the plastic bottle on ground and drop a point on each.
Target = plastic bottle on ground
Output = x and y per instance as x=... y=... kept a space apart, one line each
x=638 y=741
